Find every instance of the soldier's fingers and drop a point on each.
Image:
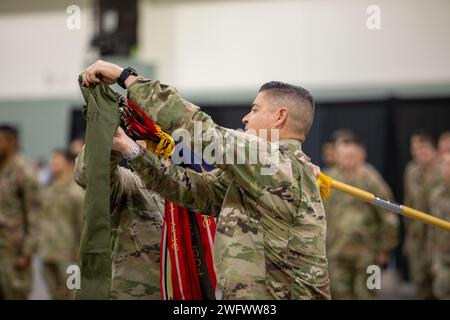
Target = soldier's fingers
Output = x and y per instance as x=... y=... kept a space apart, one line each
x=94 y=74
x=91 y=78
x=85 y=79
x=83 y=76
x=87 y=76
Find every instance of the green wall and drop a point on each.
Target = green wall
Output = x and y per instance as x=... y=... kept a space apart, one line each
x=43 y=125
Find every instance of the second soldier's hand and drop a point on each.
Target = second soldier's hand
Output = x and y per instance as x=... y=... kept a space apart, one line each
x=122 y=143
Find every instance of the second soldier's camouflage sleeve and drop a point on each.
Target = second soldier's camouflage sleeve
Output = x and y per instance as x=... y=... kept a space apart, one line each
x=122 y=180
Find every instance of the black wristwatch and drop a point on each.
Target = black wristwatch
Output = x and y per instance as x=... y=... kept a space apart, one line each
x=124 y=75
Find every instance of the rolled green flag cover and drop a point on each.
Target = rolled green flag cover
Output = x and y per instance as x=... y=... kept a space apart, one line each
x=102 y=116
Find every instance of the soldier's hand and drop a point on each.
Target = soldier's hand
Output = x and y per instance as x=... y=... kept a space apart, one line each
x=23 y=262
x=101 y=71
x=122 y=143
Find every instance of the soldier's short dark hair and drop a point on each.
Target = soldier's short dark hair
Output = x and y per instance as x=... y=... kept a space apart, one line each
x=423 y=136
x=352 y=139
x=290 y=89
x=68 y=156
x=10 y=131
x=301 y=97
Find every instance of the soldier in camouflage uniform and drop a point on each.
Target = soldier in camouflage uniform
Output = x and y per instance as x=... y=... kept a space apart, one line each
x=421 y=176
x=19 y=205
x=440 y=239
x=60 y=224
x=270 y=239
x=137 y=216
x=328 y=155
x=359 y=234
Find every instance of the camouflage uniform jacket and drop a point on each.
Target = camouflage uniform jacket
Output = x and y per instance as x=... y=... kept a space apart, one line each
x=19 y=207
x=137 y=216
x=60 y=222
x=270 y=240
x=417 y=188
x=440 y=239
x=357 y=228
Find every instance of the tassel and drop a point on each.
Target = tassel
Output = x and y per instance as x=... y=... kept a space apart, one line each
x=324 y=182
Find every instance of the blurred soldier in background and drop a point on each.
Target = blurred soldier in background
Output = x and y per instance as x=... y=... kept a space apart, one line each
x=329 y=147
x=342 y=135
x=137 y=217
x=328 y=155
x=76 y=145
x=19 y=204
x=440 y=239
x=421 y=176
x=60 y=224
x=359 y=234
x=444 y=143
x=43 y=172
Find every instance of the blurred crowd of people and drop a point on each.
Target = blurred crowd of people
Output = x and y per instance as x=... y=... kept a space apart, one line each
x=41 y=213
x=360 y=234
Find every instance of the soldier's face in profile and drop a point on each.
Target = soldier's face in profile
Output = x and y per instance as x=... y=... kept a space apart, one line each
x=57 y=164
x=261 y=116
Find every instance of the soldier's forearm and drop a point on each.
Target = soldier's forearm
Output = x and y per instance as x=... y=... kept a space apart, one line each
x=201 y=192
x=166 y=107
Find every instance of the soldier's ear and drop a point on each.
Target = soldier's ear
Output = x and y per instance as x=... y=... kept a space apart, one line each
x=281 y=117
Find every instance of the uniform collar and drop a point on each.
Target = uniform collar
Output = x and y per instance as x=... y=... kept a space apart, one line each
x=291 y=144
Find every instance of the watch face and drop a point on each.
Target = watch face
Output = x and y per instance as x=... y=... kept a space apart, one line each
x=132 y=71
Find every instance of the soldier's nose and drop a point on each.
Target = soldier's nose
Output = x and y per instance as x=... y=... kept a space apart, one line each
x=245 y=120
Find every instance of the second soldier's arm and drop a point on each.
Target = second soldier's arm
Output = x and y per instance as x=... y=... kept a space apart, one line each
x=122 y=180
x=201 y=192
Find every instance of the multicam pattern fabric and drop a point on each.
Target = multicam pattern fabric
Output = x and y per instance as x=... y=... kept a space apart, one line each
x=270 y=240
x=137 y=215
x=19 y=208
x=440 y=239
x=418 y=186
